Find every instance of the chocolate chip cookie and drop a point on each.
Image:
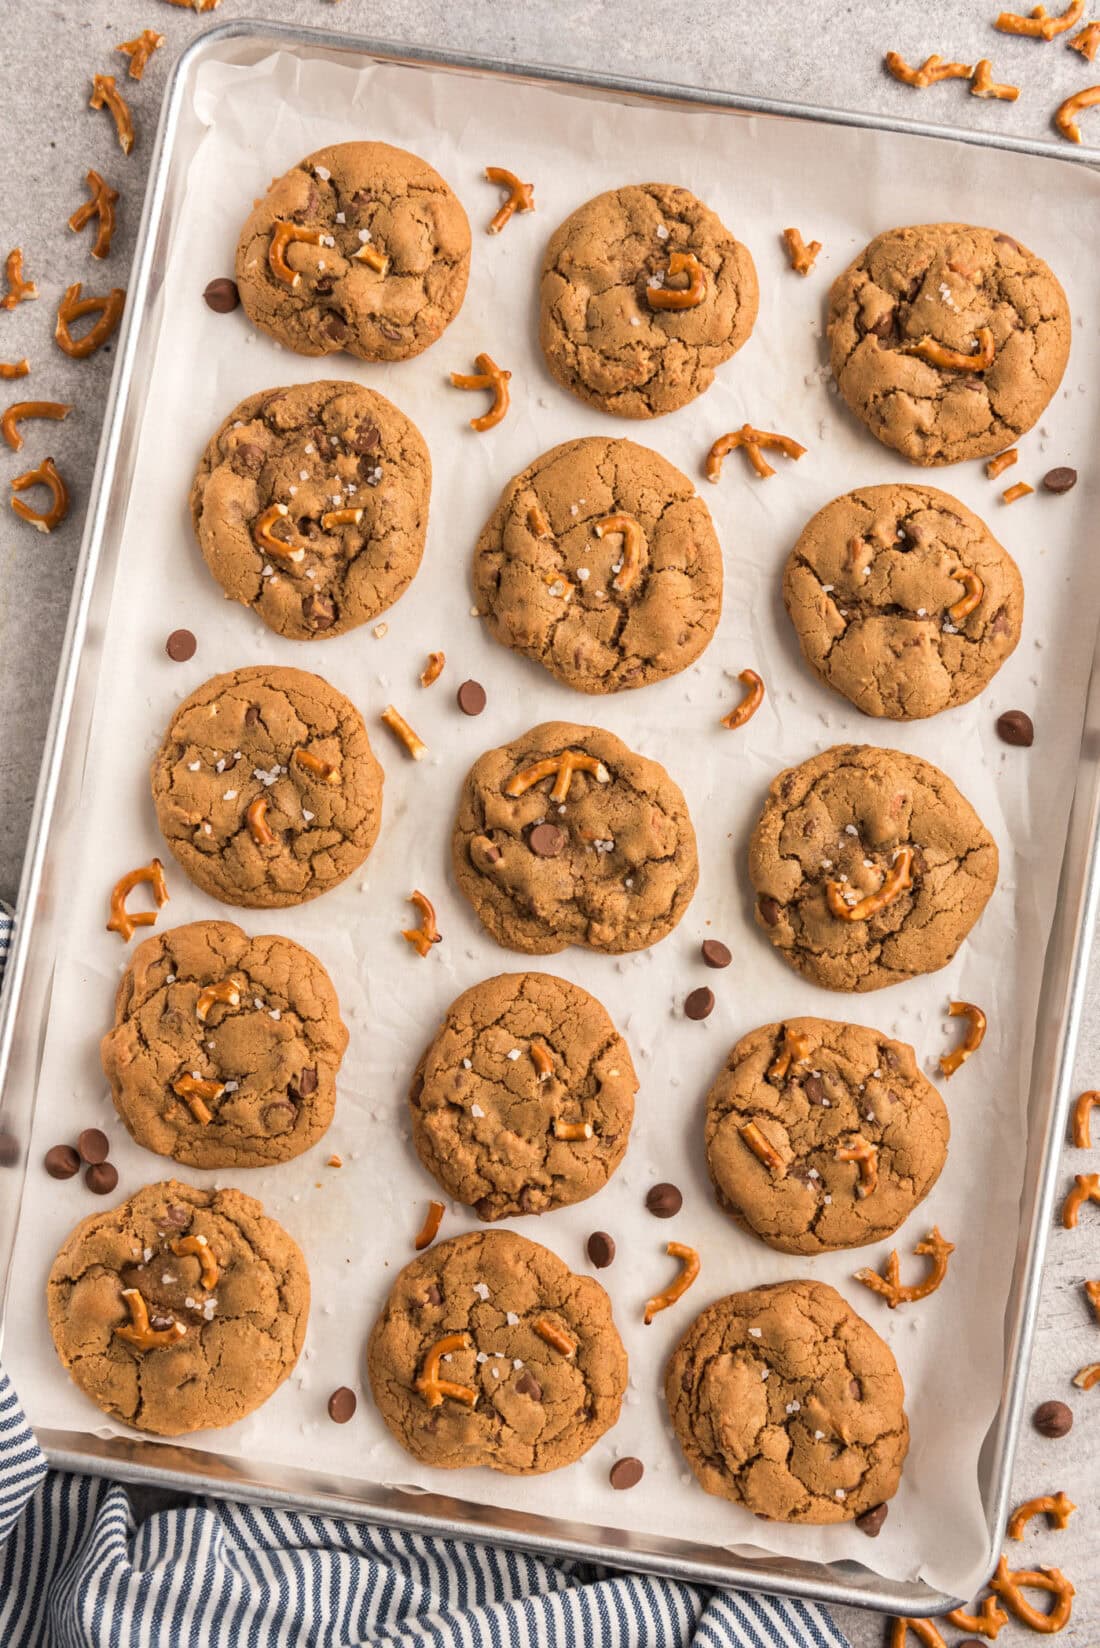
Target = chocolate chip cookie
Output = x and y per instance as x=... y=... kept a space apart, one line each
x=180 y=1309
x=822 y=1135
x=787 y=1403
x=947 y=341
x=869 y=867
x=903 y=600
x=601 y=562
x=565 y=836
x=310 y=506
x=523 y=1101
x=225 y=1048
x=644 y=292
x=360 y=247
x=266 y=788
x=489 y=1351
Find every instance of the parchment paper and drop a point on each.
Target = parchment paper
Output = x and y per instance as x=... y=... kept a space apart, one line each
x=356 y=1223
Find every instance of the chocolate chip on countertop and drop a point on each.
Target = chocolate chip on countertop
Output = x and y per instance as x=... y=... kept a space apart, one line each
x=601 y=1249
x=342 y=1405
x=471 y=697
x=222 y=296
x=94 y=1146
x=870 y=1523
x=664 y=1201
x=101 y=1178
x=1053 y=1419
x=700 y=1003
x=769 y=909
x=528 y=1385
x=180 y=646
x=1016 y=727
x=546 y=840
x=626 y=1473
x=715 y=953
x=1063 y=479
x=62 y=1161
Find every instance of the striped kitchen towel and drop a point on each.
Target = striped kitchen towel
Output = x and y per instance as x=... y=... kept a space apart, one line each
x=80 y=1569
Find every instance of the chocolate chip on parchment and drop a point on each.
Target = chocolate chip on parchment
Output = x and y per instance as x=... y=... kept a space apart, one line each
x=180 y=646
x=471 y=697
x=626 y=1473
x=1062 y=479
x=528 y=1385
x=1053 y=1419
x=715 y=953
x=62 y=1161
x=870 y=1523
x=664 y=1201
x=221 y=295
x=1016 y=727
x=700 y=1003
x=769 y=909
x=342 y=1405
x=94 y=1146
x=546 y=840
x=601 y=1249
x=101 y=1178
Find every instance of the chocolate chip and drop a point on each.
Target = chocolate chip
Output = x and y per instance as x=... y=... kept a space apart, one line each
x=883 y=326
x=715 y=953
x=306 y=1083
x=388 y=330
x=252 y=715
x=664 y=1201
x=342 y=1405
x=335 y=326
x=1007 y=240
x=769 y=909
x=180 y=646
x=855 y=1390
x=870 y=1523
x=101 y=1178
x=278 y=1116
x=528 y=1385
x=1053 y=1419
x=546 y=840
x=1063 y=479
x=366 y=438
x=434 y=1295
x=9 y=1149
x=177 y=1215
x=471 y=697
x=94 y=1146
x=626 y=1473
x=221 y=295
x=319 y=610
x=814 y=1089
x=1016 y=727
x=700 y=1003
x=601 y=1249
x=62 y=1161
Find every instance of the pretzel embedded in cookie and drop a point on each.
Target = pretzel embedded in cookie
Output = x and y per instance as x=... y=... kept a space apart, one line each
x=750 y=703
x=140 y=50
x=542 y=1059
x=74 y=307
x=19 y=411
x=44 y=475
x=423 y=937
x=226 y=990
x=285 y=234
x=1082 y=1115
x=195 y=1091
x=960 y=610
x=333 y=518
x=140 y=1332
x=102 y=203
x=20 y=290
x=982 y=84
x=953 y=360
x=933 y=69
x=972 y=1040
x=1038 y=24
x=795 y=1050
x=198 y=1247
x=572 y=1131
x=1065 y=116
x=1058 y=1508
x=802 y=257
x=488 y=376
x=521 y=197
x=989 y=1620
x=561 y=768
x=428 y=1383
x=123 y=921
x=1086 y=1188
x=752 y=441
x=863 y=1152
x=1009 y=1585
x=106 y=95
x=679 y=297
x=537 y=524
x=689 y=1270
x=400 y=728
x=762 y=1147
x=897 y=879
x=373 y=258
x=327 y=772
x=555 y=1337
x=890 y=1287
x=626 y=575
x=263 y=535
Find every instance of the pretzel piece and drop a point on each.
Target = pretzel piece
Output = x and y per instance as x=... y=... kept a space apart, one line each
x=952 y=360
x=972 y=1040
x=989 y=1621
x=1058 y=1508
x=521 y=197
x=423 y=937
x=1087 y=42
x=1004 y=460
x=284 y=234
x=537 y=524
x=572 y=1131
x=752 y=440
x=1086 y=1188
x=961 y=609
x=102 y=205
x=680 y=297
x=125 y=921
x=1019 y=490
x=326 y=771
x=1092 y=1293
x=140 y=50
x=1065 y=116
x=21 y=410
x=1038 y=24
x=194 y=1091
x=139 y=1331
x=333 y=518
x=555 y=1337
x=45 y=475
x=256 y=818
x=923 y=1629
x=74 y=307
x=433 y=669
x=762 y=1147
x=373 y=258
x=263 y=535
x=106 y=95
x=931 y=70
x=1082 y=1116
x=795 y=1050
x=690 y=1266
x=1009 y=1585
x=750 y=703
x=802 y=257
x=542 y=1059
x=488 y=376
x=982 y=84
x=20 y=290
x=429 y=1230
x=14 y=369
x=861 y=1150
x=890 y=1287
x=431 y=1387
x=561 y=768
x=897 y=879
x=633 y=541
x=1085 y=1378
x=400 y=728
x=226 y=990
x=197 y=1247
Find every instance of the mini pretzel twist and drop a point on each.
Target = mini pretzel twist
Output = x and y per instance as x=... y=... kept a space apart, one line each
x=256 y=818
x=333 y=518
x=488 y=376
x=680 y=297
x=897 y=879
x=106 y=95
x=123 y=921
x=752 y=440
x=285 y=234
x=890 y=1287
x=197 y=1247
x=633 y=542
x=572 y=1131
x=431 y=1387
x=1065 y=116
x=14 y=369
x=263 y=535
x=982 y=84
x=750 y=703
x=923 y=1629
x=194 y=1091
x=689 y=1261
x=74 y=307
x=762 y=1147
x=972 y=1040
x=561 y=768
x=1004 y=460
x=961 y=609
x=555 y=1337
x=521 y=196
x=802 y=257
x=1009 y=1585
x=102 y=205
x=140 y=50
x=139 y=1331
x=401 y=729
x=226 y=990
x=931 y=70
x=1038 y=24
x=373 y=258
x=1087 y=42
x=45 y=475
x=327 y=771
x=1086 y=1188
x=433 y=669
x=951 y=360
x=423 y=937
x=20 y=290
x=429 y=1230
x=794 y=1051
x=542 y=1059
x=1058 y=1508
x=1085 y=1378
x=19 y=411
x=863 y=1152
x=989 y=1621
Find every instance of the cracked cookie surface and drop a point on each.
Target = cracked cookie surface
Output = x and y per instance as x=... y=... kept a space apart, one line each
x=844 y=1085
x=616 y=868
x=946 y=281
x=788 y=1403
x=233 y=743
x=547 y=584
x=316 y=450
x=537 y=1407
x=517 y=1058
x=601 y=338
x=277 y=1051
x=243 y=1333
x=841 y=818
x=360 y=197
x=869 y=586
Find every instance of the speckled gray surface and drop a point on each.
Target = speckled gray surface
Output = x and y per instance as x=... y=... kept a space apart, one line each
x=816 y=51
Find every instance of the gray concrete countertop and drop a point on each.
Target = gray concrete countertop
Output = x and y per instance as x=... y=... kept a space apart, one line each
x=827 y=52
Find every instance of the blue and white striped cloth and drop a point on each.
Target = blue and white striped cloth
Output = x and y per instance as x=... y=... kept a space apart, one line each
x=80 y=1569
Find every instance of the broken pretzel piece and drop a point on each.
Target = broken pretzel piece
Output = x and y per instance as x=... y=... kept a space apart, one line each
x=889 y=1285
x=1085 y=1378
x=924 y=1630
x=74 y=307
x=1082 y=1114
x=982 y=84
x=401 y=729
x=284 y=234
x=1065 y=116
x=952 y=360
x=802 y=257
x=762 y=1147
x=1004 y=460
x=256 y=818
x=1020 y=490
x=423 y=937
x=989 y=1621
x=14 y=369
x=750 y=703
x=689 y=1261
x=961 y=609
x=123 y=921
x=897 y=879
x=140 y=50
x=972 y=1040
x=521 y=196
x=633 y=539
x=433 y=669
x=226 y=990
x=340 y=517
x=795 y=1050
x=1086 y=1188
x=1092 y=1294
x=102 y=205
x=263 y=535
x=863 y=1152
x=1087 y=42
x=373 y=258
x=326 y=771
x=931 y=70
x=572 y=1131
x=19 y=289
x=431 y=1387
x=106 y=95
x=555 y=1337
x=197 y=1247
x=429 y=1230
x=195 y=1091
x=45 y=475
x=679 y=297
x=1058 y=1508
x=21 y=410
x=139 y=1331
x=537 y=524
x=561 y=767
x=542 y=1059
x=488 y=376
x=752 y=440
x=1038 y=24
x=1009 y=1586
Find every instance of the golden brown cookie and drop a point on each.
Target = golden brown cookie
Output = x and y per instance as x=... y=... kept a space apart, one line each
x=266 y=788
x=602 y=607
x=822 y=1135
x=180 y=1309
x=361 y=247
x=490 y=1351
x=205 y=1007
x=606 y=277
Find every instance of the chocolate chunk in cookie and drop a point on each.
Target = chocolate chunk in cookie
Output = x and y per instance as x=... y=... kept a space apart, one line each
x=361 y=247
x=869 y=867
x=786 y=1402
x=627 y=869
x=947 y=341
x=599 y=611
x=180 y=1309
x=310 y=506
x=854 y=1134
x=607 y=277
x=903 y=600
x=490 y=1351
x=523 y=1101
x=266 y=788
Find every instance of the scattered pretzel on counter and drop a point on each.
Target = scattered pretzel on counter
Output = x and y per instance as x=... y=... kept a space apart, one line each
x=750 y=703
x=989 y=1621
x=195 y=1091
x=433 y=669
x=1057 y=1508
x=327 y=772
x=897 y=879
x=802 y=257
x=752 y=441
x=761 y=1146
x=1038 y=24
x=139 y=1331
x=1092 y=1294
x=14 y=369
x=74 y=307
x=1019 y=490
x=952 y=360
x=227 y=991
x=106 y=95
x=1082 y=1118
x=429 y=1230
x=102 y=205
x=284 y=234
x=423 y=937
x=198 y=1247
x=889 y=1285
x=1086 y=1188
x=982 y=84
x=428 y=1383
x=521 y=197
x=794 y=1051
x=1087 y=42
x=555 y=1337
x=923 y=1629
x=140 y=50
x=933 y=69
x=865 y=1154
x=690 y=1266
x=561 y=768
x=960 y=610
x=972 y=1040
x=19 y=411
x=1065 y=116
x=663 y=296
x=1004 y=460
x=1085 y=1378
x=488 y=376
x=400 y=728
x=1009 y=1586
x=633 y=540
x=45 y=475
x=20 y=290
